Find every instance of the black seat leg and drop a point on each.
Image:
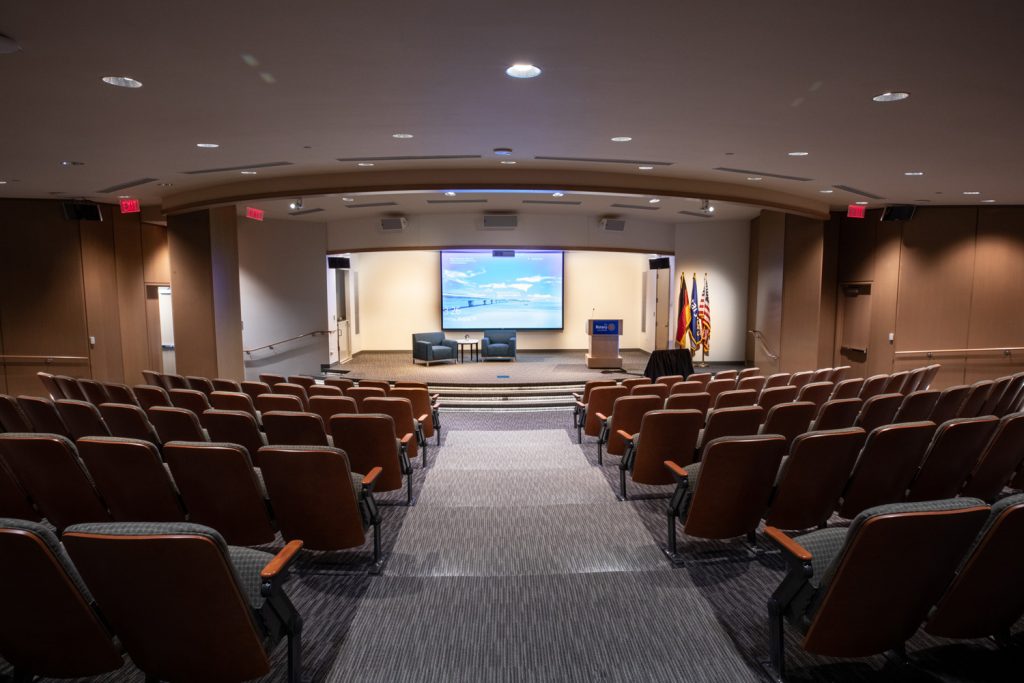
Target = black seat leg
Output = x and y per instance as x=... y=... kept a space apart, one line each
x=622 y=484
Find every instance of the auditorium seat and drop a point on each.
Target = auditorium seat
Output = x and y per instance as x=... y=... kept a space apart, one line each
x=735 y=398
x=815 y=392
x=296 y=390
x=14 y=501
x=865 y=590
x=702 y=377
x=95 y=393
x=171 y=380
x=328 y=406
x=878 y=410
x=422 y=404
x=51 y=386
x=12 y=418
x=81 y=418
x=663 y=435
x=995 y=395
x=319 y=499
x=128 y=421
x=1010 y=395
x=725 y=494
x=304 y=381
x=70 y=388
x=271 y=379
x=798 y=379
x=190 y=399
x=848 y=388
x=635 y=381
x=176 y=424
x=220 y=384
x=687 y=387
x=839 y=374
x=976 y=397
x=376 y=383
x=254 y=389
x=221 y=489
x=233 y=400
x=200 y=384
x=49 y=470
x=268 y=402
x=43 y=415
x=752 y=382
x=717 y=386
x=779 y=379
x=986 y=598
x=895 y=382
x=294 y=429
x=812 y=477
x=360 y=394
x=916 y=406
x=323 y=390
x=727 y=374
x=788 y=420
x=601 y=401
x=406 y=422
x=659 y=390
x=120 y=393
x=886 y=466
x=948 y=405
x=339 y=382
x=369 y=441
x=728 y=422
x=769 y=398
x=150 y=396
x=50 y=626
x=237 y=427
x=669 y=380
x=873 y=386
x=131 y=479
x=820 y=375
x=152 y=378
x=1002 y=457
x=581 y=399
x=624 y=418
x=838 y=413
x=408 y=384
x=954 y=451
x=699 y=402
x=748 y=372
x=185 y=605
x=913 y=381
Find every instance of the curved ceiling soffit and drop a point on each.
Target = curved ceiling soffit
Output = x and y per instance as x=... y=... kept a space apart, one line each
x=488 y=179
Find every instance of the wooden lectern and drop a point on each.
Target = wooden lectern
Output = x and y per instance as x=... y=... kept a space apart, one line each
x=604 y=343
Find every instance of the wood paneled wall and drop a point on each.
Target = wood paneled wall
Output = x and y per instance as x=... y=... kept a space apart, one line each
x=764 y=294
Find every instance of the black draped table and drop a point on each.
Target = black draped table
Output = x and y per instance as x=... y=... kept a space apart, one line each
x=669 y=362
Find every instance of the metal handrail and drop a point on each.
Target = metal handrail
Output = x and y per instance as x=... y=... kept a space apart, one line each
x=1005 y=350
x=46 y=359
x=760 y=338
x=314 y=333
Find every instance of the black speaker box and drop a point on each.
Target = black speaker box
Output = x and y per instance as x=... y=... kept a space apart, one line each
x=82 y=211
x=338 y=262
x=659 y=263
x=898 y=212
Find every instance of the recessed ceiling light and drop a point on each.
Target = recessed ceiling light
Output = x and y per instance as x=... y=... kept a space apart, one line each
x=891 y=96
x=972 y=192
x=861 y=203
x=653 y=201
x=622 y=138
x=913 y=173
x=295 y=204
x=3 y=182
x=347 y=199
x=797 y=154
x=508 y=163
x=503 y=151
x=523 y=71
x=124 y=196
x=164 y=184
x=826 y=191
x=72 y=163
x=365 y=163
x=248 y=172
x=557 y=194
x=754 y=177
x=402 y=136
x=122 y=81
x=449 y=194
x=988 y=201
x=207 y=145
x=645 y=168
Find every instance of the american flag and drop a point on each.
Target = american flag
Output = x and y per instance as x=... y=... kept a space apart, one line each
x=704 y=315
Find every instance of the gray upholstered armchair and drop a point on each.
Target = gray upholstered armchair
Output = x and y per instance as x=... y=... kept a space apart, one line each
x=498 y=344
x=432 y=347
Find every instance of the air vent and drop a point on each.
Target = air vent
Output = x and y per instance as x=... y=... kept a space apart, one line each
x=500 y=221
x=269 y=164
x=393 y=223
x=765 y=174
x=551 y=201
x=854 y=190
x=435 y=157
x=303 y=212
x=365 y=206
x=613 y=224
x=456 y=201
x=631 y=162
x=636 y=206
x=125 y=186
x=698 y=214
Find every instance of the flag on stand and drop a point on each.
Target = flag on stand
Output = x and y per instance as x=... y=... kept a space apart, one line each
x=683 y=317
x=694 y=319
x=704 y=314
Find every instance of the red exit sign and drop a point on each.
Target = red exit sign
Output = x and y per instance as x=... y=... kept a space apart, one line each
x=255 y=214
x=854 y=211
x=130 y=206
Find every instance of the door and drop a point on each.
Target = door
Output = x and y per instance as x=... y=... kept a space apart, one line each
x=853 y=326
x=661 y=307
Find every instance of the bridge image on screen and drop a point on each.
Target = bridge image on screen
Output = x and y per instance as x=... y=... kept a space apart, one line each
x=482 y=291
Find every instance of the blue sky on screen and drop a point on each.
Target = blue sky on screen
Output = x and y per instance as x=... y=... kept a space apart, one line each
x=529 y=276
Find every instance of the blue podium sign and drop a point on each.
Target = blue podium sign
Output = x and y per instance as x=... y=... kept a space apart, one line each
x=605 y=327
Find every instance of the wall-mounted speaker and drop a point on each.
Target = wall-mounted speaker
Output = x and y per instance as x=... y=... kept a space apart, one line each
x=337 y=262
x=500 y=221
x=613 y=224
x=82 y=211
x=660 y=263
x=393 y=223
x=898 y=212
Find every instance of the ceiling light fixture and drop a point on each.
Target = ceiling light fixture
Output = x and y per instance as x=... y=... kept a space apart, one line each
x=972 y=192
x=891 y=96
x=826 y=191
x=365 y=164
x=645 y=168
x=122 y=81
x=295 y=204
x=797 y=154
x=503 y=151
x=164 y=184
x=705 y=206
x=72 y=163
x=507 y=163
x=207 y=145
x=557 y=194
x=248 y=172
x=622 y=138
x=653 y=201
x=861 y=203
x=754 y=177
x=402 y=136
x=449 y=194
x=913 y=173
x=3 y=182
x=523 y=71
x=347 y=199
x=988 y=201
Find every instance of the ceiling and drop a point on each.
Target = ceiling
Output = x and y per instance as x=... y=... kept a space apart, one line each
x=698 y=86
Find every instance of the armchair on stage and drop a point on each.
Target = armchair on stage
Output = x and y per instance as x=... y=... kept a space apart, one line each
x=498 y=344
x=432 y=347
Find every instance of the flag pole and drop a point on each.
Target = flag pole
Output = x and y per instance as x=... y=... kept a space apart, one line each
x=703 y=358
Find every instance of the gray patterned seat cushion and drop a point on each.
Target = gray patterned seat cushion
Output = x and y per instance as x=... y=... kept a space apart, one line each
x=50 y=539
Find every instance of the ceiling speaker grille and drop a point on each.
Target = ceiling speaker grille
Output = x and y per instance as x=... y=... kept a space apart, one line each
x=636 y=206
x=698 y=214
x=632 y=162
x=125 y=186
x=269 y=164
x=551 y=201
x=303 y=212
x=860 y=193
x=456 y=201
x=434 y=157
x=393 y=223
x=365 y=206
x=746 y=171
x=500 y=221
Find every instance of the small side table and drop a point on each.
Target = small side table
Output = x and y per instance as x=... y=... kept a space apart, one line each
x=474 y=349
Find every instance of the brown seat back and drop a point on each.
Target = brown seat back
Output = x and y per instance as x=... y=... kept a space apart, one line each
x=294 y=429
x=304 y=381
x=81 y=418
x=235 y=426
x=152 y=378
x=929 y=376
x=360 y=394
x=892 y=568
x=702 y=377
x=699 y=402
x=779 y=379
x=995 y=394
x=176 y=424
x=1000 y=459
x=421 y=405
x=736 y=398
x=731 y=422
x=878 y=410
x=952 y=454
x=12 y=418
x=51 y=473
x=232 y=400
x=815 y=392
x=255 y=389
x=271 y=379
x=221 y=490
x=296 y=390
x=687 y=387
x=311 y=491
x=189 y=399
x=895 y=382
x=601 y=401
x=669 y=380
x=1010 y=395
x=665 y=435
x=339 y=382
x=120 y=393
x=149 y=396
x=327 y=406
x=220 y=384
x=717 y=386
x=128 y=421
x=95 y=392
x=51 y=386
x=727 y=374
x=839 y=413
x=634 y=381
x=752 y=382
x=821 y=375
x=400 y=410
x=848 y=388
x=986 y=597
x=378 y=383
x=771 y=397
x=323 y=390
x=873 y=386
x=173 y=381
x=408 y=384
x=801 y=378
x=916 y=406
x=789 y=419
x=813 y=477
x=167 y=589
x=43 y=415
x=265 y=403
x=886 y=466
x=748 y=372
x=369 y=441
x=201 y=384
x=132 y=479
x=659 y=390
x=70 y=388
x=627 y=414
x=736 y=479
x=49 y=627
x=839 y=373
x=976 y=395
x=913 y=381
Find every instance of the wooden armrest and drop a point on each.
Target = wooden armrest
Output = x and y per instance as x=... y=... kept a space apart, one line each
x=600 y=416
x=406 y=439
x=281 y=560
x=624 y=435
x=434 y=397
x=675 y=469
x=788 y=544
x=422 y=418
x=577 y=397
x=581 y=404
x=435 y=405
x=370 y=478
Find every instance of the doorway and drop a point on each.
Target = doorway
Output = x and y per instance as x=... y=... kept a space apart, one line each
x=663 y=297
x=853 y=326
x=342 y=350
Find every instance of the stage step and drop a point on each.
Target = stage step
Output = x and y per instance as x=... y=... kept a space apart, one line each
x=520 y=397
